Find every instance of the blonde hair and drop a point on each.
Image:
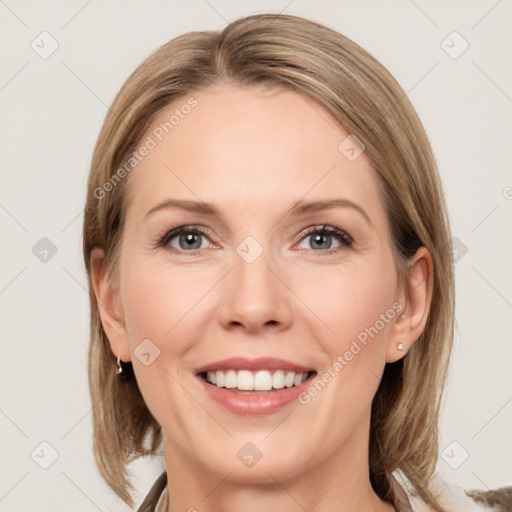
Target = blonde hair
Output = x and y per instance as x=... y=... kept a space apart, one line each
x=323 y=65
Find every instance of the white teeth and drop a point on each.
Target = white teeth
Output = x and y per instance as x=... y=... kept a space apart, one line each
x=278 y=379
x=288 y=380
x=262 y=380
x=245 y=380
x=230 y=379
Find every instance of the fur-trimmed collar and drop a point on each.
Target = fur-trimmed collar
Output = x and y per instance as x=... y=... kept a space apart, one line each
x=455 y=499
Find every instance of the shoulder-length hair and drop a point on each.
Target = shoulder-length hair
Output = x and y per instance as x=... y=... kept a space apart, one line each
x=331 y=70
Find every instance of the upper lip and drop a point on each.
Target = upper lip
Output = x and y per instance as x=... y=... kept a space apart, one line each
x=260 y=363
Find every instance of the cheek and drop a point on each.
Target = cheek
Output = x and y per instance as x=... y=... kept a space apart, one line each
x=159 y=305
x=357 y=307
x=349 y=300
x=158 y=299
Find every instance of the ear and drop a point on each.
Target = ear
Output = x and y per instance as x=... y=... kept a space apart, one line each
x=415 y=296
x=109 y=306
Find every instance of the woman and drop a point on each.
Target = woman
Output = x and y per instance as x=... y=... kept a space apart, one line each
x=277 y=373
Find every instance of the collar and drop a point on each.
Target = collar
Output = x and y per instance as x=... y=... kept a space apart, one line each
x=400 y=502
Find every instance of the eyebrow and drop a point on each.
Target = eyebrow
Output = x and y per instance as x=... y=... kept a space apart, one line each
x=298 y=207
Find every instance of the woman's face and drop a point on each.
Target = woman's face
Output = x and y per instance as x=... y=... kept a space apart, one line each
x=257 y=279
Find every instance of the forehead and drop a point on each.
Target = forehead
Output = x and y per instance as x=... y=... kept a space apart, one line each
x=249 y=147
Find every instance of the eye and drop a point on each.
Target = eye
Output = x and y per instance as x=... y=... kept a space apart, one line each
x=192 y=240
x=322 y=238
x=185 y=239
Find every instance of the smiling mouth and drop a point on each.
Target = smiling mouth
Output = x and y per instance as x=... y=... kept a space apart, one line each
x=254 y=382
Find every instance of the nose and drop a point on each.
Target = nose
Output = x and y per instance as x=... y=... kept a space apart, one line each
x=255 y=297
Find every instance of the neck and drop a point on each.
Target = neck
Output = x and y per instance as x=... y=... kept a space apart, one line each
x=340 y=483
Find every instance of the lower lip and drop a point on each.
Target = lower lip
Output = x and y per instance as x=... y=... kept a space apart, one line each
x=254 y=404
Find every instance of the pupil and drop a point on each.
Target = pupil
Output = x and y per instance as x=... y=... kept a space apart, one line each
x=320 y=237
x=191 y=241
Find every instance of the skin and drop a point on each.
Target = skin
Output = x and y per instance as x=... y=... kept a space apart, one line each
x=253 y=152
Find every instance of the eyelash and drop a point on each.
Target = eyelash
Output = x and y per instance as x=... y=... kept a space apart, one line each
x=343 y=237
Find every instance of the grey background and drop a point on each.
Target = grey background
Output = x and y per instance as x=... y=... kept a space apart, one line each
x=51 y=112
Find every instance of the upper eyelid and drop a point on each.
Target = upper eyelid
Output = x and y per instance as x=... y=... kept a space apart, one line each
x=174 y=232
x=325 y=228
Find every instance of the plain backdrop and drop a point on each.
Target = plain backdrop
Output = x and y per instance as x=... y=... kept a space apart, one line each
x=52 y=107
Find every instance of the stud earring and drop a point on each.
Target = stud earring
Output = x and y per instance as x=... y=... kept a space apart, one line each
x=400 y=346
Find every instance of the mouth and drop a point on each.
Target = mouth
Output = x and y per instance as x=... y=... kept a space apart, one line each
x=254 y=386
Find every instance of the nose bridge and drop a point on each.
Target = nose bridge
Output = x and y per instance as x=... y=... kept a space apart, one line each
x=254 y=297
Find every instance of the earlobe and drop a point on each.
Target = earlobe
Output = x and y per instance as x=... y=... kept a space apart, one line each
x=109 y=306
x=415 y=296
